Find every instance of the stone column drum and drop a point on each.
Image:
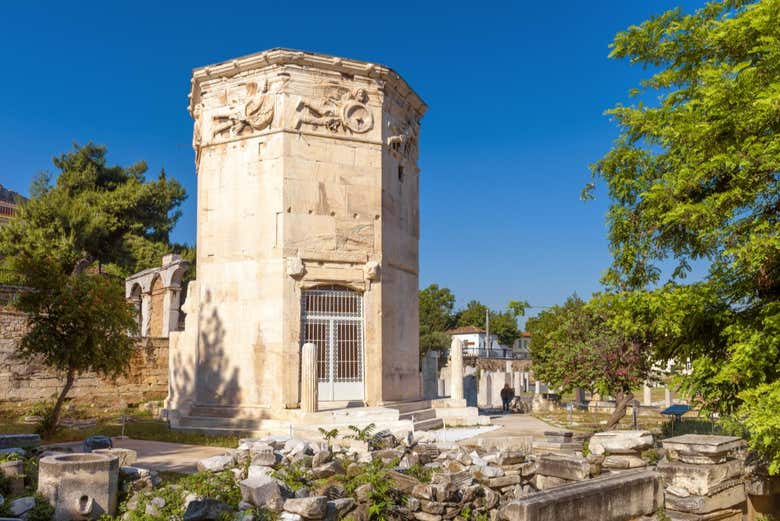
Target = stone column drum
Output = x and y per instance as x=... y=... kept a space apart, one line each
x=456 y=369
x=517 y=382
x=79 y=486
x=647 y=397
x=309 y=378
x=430 y=375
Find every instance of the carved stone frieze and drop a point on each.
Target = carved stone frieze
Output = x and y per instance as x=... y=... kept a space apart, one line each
x=403 y=139
x=339 y=110
x=255 y=112
x=197 y=136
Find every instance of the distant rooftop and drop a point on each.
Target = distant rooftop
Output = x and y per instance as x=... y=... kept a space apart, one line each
x=465 y=330
x=9 y=196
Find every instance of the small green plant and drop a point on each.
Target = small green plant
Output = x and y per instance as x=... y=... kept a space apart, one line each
x=42 y=511
x=11 y=456
x=329 y=436
x=470 y=515
x=586 y=448
x=420 y=472
x=365 y=434
x=221 y=486
x=651 y=456
x=31 y=474
x=661 y=515
x=384 y=498
x=49 y=422
x=263 y=514
x=295 y=476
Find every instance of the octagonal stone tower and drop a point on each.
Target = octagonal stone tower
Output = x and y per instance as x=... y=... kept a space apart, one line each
x=308 y=230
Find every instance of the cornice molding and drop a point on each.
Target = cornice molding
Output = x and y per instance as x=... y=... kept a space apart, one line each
x=280 y=56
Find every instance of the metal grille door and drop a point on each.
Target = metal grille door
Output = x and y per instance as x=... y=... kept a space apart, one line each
x=332 y=319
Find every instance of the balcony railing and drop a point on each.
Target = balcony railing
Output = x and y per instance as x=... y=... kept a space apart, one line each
x=503 y=354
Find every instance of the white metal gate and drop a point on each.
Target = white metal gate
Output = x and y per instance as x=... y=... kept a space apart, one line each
x=332 y=319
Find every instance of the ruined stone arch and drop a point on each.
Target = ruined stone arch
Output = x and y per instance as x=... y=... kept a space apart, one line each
x=135 y=296
x=157 y=293
x=161 y=295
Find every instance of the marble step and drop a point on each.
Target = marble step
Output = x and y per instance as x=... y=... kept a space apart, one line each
x=426 y=425
x=405 y=407
x=220 y=422
x=215 y=411
x=418 y=415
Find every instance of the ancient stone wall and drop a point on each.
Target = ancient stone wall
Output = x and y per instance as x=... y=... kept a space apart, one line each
x=22 y=382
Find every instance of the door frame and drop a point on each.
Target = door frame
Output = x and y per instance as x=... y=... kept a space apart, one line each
x=330 y=389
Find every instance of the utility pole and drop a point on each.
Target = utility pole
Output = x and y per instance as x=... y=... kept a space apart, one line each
x=487 y=332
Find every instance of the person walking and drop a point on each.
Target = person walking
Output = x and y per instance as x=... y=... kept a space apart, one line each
x=507 y=394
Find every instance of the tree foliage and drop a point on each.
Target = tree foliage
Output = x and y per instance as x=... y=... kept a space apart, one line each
x=97 y=213
x=695 y=177
x=436 y=308
x=438 y=315
x=576 y=345
x=502 y=323
x=71 y=245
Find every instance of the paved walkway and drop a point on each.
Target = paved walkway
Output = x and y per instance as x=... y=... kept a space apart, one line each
x=162 y=456
x=178 y=457
x=516 y=425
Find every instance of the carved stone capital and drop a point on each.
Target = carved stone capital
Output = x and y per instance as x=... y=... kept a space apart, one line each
x=295 y=267
x=371 y=270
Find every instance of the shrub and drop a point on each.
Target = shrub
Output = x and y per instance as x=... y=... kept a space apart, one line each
x=420 y=472
x=295 y=476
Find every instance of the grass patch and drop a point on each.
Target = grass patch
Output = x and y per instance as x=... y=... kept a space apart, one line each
x=139 y=429
x=690 y=426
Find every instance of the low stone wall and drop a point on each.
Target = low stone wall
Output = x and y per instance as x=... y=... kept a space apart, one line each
x=628 y=495
x=23 y=383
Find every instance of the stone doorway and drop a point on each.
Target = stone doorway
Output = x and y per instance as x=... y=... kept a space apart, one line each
x=332 y=320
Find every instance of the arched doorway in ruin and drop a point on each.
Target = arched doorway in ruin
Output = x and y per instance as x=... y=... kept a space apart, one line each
x=157 y=307
x=136 y=298
x=332 y=320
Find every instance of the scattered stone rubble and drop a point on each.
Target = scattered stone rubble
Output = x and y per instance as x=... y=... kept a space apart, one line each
x=697 y=478
x=436 y=481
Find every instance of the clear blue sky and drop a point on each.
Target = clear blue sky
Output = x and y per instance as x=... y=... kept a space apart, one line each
x=516 y=94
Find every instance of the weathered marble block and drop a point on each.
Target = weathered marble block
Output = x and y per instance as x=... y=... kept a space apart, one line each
x=623 y=461
x=730 y=495
x=80 y=486
x=564 y=467
x=627 y=495
x=126 y=456
x=702 y=449
x=22 y=441
x=731 y=514
x=620 y=442
x=698 y=479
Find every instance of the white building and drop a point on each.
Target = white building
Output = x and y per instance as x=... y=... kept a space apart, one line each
x=475 y=343
x=522 y=346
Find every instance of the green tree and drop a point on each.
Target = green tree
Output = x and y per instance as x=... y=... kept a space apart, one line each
x=695 y=177
x=473 y=314
x=436 y=305
x=71 y=245
x=502 y=323
x=575 y=345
